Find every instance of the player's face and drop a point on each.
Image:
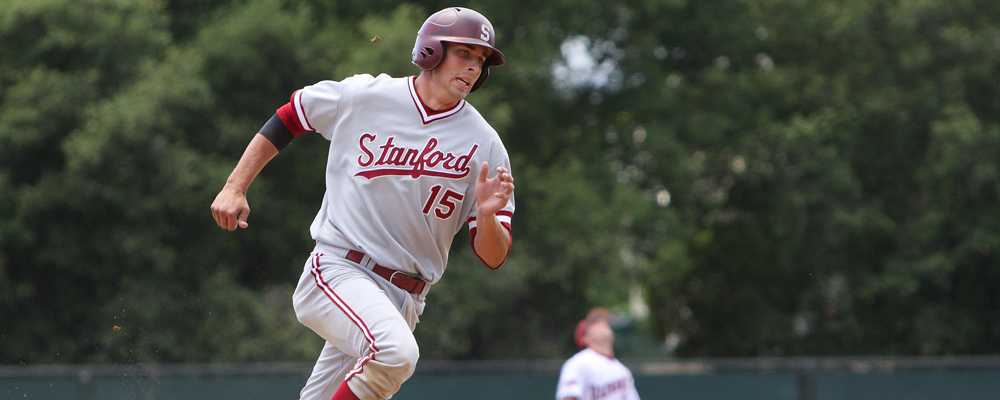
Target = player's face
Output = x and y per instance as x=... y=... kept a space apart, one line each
x=461 y=67
x=600 y=333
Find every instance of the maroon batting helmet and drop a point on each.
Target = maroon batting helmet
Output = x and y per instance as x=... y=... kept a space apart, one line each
x=455 y=25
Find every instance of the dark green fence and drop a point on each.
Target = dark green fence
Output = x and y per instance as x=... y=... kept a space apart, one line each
x=968 y=378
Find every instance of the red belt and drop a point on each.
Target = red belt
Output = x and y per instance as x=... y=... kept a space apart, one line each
x=401 y=279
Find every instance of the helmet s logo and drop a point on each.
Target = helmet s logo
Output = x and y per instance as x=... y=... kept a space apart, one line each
x=486 y=33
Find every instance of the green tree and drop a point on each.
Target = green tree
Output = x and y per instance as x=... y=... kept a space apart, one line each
x=778 y=176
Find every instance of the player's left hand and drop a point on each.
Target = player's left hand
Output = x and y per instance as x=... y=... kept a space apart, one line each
x=492 y=194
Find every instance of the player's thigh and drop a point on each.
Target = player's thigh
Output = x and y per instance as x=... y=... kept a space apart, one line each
x=376 y=320
x=351 y=312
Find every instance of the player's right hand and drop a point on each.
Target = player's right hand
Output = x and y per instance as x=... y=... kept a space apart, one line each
x=230 y=209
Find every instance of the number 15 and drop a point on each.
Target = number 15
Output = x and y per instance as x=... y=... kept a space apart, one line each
x=446 y=206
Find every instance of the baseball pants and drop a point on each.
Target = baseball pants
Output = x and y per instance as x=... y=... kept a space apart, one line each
x=367 y=324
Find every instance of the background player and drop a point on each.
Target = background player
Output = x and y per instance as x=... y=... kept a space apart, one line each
x=401 y=182
x=594 y=372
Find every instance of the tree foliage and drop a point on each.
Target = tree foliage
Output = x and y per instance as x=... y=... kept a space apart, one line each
x=773 y=177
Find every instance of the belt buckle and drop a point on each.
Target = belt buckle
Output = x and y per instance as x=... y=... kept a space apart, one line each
x=393 y=276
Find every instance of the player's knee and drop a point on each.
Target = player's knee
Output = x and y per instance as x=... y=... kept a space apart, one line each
x=410 y=355
x=403 y=357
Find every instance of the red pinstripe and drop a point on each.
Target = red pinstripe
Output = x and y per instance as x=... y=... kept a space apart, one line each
x=346 y=309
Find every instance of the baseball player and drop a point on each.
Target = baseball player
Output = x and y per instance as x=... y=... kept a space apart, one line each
x=410 y=163
x=594 y=373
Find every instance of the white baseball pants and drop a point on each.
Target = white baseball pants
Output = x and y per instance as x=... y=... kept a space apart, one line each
x=367 y=323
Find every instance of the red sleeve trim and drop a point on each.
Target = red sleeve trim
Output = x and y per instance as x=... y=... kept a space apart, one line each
x=296 y=100
x=501 y=213
x=287 y=115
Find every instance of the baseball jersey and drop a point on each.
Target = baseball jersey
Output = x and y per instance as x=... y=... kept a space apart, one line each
x=400 y=177
x=590 y=375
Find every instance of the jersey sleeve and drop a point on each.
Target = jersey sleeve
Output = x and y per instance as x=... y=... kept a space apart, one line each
x=633 y=394
x=318 y=107
x=571 y=380
x=505 y=216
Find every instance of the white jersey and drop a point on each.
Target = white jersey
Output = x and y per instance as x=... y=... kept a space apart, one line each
x=400 y=178
x=590 y=375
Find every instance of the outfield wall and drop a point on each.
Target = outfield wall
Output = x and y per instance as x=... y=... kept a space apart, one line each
x=968 y=378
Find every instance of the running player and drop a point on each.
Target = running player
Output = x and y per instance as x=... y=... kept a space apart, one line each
x=409 y=165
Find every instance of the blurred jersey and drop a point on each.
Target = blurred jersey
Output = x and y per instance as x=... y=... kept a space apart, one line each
x=590 y=375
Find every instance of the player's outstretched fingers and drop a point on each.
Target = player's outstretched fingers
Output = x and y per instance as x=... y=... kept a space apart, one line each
x=504 y=175
x=508 y=188
x=484 y=171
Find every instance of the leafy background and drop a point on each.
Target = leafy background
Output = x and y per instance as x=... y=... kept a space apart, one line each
x=733 y=178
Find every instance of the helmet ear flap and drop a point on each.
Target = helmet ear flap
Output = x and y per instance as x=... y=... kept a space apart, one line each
x=427 y=54
x=482 y=77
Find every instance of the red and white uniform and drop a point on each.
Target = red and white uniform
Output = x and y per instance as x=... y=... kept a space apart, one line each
x=399 y=177
x=590 y=375
x=400 y=184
